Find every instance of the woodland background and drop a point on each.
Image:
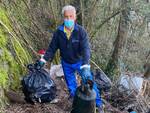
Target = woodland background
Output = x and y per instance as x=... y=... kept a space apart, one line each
x=119 y=32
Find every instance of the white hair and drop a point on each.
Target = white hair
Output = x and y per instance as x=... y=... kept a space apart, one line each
x=68 y=7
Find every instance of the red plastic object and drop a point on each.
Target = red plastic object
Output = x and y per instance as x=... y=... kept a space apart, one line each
x=41 y=52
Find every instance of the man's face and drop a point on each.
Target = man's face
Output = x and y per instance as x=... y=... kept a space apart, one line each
x=69 y=15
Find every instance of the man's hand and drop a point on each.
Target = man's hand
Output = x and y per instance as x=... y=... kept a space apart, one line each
x=40 y=63
x=85 y=73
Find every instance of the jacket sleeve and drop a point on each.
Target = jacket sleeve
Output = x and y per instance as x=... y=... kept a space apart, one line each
x=52 y=48
x=85 y=47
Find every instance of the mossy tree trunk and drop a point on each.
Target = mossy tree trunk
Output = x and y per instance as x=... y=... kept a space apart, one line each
x=13 y=56
x=113 y=67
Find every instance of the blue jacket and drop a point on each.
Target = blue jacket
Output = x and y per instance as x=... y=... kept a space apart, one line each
x=75 y=49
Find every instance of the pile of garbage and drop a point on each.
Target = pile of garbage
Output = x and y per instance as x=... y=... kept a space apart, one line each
x=129 y=92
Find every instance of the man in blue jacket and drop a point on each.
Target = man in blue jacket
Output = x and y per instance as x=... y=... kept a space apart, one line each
x=72 y=40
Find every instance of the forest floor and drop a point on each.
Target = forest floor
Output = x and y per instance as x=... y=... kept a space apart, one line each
x=63 y=105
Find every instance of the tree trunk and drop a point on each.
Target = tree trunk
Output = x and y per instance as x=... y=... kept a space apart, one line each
x=113 y=64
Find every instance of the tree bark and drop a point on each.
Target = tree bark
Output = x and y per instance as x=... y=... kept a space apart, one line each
x=113 y=64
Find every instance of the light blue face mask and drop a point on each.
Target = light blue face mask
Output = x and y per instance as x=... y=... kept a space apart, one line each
x=69 y=23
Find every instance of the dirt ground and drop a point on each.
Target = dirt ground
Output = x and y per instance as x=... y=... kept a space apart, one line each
x=62 y=106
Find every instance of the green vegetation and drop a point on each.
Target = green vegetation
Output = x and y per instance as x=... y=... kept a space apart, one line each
x=13 y=56
x=27 y=26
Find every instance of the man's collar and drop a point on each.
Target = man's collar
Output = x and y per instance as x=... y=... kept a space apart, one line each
x=66 y=30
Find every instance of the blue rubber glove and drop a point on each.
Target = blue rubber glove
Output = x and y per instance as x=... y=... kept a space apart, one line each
x=40 y=63
x=85 y=73
x=132 y=112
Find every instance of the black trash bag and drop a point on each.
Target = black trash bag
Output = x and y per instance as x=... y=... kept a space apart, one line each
x=37 y=86
x=102 y=81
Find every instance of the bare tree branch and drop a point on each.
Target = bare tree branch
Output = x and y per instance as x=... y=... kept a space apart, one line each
x=106 y=20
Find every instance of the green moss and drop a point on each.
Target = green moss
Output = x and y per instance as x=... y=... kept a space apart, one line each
x=3 y=40
x=12 y=60
x=3 y=77
x=4 y=18
x=20 y=52
x=14 y=71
